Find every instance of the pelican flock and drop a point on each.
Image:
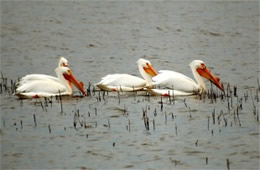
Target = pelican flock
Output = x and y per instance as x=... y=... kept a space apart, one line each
x=40 y=85
x=127 y=82
x=164 y=83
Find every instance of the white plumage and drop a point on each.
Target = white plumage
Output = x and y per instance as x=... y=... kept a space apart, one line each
x=127 y=82
x=121 y=82
x=174 y=80
x=39 y=85
x=176 y=84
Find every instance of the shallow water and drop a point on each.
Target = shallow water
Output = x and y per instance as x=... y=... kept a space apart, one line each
x=108 y=37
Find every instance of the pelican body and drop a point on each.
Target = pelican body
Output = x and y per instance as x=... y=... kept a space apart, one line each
x=177 y=84
x=40 y=85
x=127 y=82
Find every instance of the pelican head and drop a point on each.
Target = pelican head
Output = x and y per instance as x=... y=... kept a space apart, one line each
x=67 y=75
x=147 y=67
x=146 y=70
x=63 y=62
x=199 y=70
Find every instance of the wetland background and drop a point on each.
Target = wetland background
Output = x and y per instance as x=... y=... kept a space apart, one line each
x=99 y=38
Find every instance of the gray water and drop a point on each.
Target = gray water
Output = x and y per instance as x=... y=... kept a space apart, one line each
x=99 y=38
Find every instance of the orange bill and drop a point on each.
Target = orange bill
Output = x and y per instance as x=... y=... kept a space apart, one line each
x=150 y=70
x=70 y=77
x=208 y=75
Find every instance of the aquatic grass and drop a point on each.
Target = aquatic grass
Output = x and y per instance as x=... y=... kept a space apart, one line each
x=190 y=113
x=246 y=96
x=184 y=101
x=228 y=91
x=161 y=104
x=93 y=91
x=172 y=116
x=125 y=113
x=118 y=97
x=34 y=120
x=21 y=123
x=13 y=86
x=241 y=103
x=228 y=105
x=146 y=119
x=235 y=91
x=153 y=125
x=108 y=122
x=169 y=97
x=89 y=89
x=60 y=99
x=225 y=119
x=155 y=112
x=42 y=105
x=238 y=117
x=176 y=130
x=196 y=143
x=4 y=123
x=103 y=96
x=228 y=164
x=4 y=81
x=129 y=125
x=47 y=101
x=258 y=85
x=49 y=127
x=1 y=88
x=213 y=116
x=99 y=97
x=257 y=116
x=147 y=97
x=208 y=122
x=76 y=119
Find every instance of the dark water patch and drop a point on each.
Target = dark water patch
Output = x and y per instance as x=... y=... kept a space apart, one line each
x=129 y=166
x=209 y=33
x=17 y=154
x=254 y=134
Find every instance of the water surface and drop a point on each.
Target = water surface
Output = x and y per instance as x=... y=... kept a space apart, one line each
x=99 y=38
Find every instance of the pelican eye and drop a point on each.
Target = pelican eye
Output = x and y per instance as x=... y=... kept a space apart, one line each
x=64 y=64
x=203 y=66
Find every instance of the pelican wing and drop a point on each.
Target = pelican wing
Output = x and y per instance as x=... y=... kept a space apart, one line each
x=43 y=85
x=33 y=77
x=174 y=80
x=124 y=82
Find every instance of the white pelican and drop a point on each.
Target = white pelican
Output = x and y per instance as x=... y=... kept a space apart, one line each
x=63 y=62
x=45 y=87
x=177 y=84
x=126 y=82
